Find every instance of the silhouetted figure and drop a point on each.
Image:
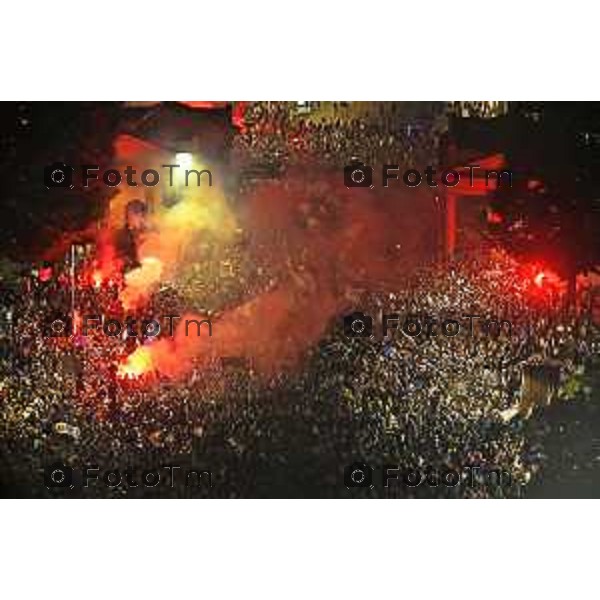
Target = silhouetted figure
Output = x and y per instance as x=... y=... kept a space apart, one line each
x=127 y=239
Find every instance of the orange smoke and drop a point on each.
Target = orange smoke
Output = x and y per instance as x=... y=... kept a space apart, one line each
x=273 y=330
x=141 y=282
x=171 y=356
x=323 y=242
x=180 y=217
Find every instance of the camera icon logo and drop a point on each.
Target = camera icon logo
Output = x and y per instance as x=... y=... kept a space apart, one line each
x=58 y=175
x=358 y=175
x=358 y=324
x=58 y=475
x=358 y=475
x=58 y=326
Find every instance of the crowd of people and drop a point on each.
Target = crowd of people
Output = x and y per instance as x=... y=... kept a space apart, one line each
x=437 y=400
x=420 y=402
x=479 y=109
x=276 y=135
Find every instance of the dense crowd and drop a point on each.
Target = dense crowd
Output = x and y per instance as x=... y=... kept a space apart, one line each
x=277 y=136
x=425 y=401
x=438 y=400
x=478 y=108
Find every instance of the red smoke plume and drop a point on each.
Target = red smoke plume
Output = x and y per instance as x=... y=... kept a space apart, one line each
x=322 y=241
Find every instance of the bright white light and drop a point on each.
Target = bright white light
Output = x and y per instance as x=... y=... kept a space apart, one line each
x=184 y=159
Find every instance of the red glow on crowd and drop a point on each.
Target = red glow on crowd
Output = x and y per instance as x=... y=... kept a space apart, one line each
x=45 y=274
x=541 y=280
x=100 y=275
x=494 y=218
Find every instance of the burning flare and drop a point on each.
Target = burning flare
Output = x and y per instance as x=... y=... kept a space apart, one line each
x=136 y=365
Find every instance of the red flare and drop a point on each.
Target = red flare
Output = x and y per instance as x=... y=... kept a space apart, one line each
x=97 y=278
x=539 y=279
x=494 y=218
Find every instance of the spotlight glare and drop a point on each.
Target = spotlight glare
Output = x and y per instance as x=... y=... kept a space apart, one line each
x=184 y=159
